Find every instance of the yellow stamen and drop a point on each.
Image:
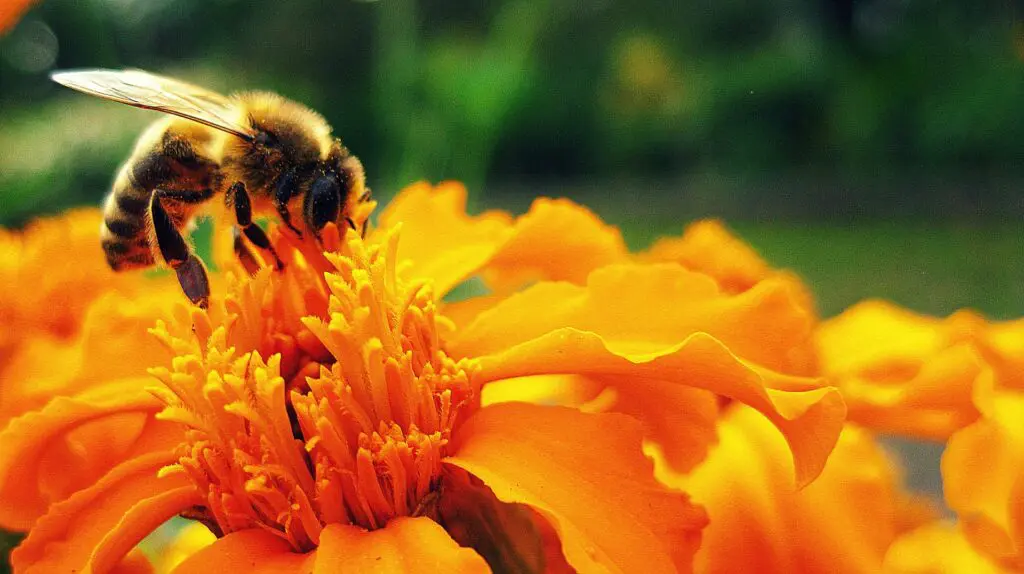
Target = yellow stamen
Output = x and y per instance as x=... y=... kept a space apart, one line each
x=356 y=436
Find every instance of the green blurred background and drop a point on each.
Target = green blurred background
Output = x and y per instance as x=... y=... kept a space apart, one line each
x=873 y=146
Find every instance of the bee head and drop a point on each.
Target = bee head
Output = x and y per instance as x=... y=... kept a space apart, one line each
x=329 y=188
x=323 y=201
x=340 y=184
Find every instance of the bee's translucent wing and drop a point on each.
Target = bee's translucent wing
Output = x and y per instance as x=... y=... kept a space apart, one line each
x=152 y=92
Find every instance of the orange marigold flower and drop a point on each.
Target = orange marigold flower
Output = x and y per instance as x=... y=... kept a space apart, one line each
x=956 y=379
x=330 y=415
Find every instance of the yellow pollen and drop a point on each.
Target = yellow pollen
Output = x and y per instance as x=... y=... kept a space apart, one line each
x=359 y=442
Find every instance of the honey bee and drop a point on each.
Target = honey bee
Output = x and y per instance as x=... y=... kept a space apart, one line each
x=262 y=152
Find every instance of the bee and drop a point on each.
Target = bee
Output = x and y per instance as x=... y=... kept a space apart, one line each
x=261 y=152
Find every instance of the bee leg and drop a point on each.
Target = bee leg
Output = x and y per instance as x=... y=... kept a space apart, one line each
x=179 y=256
x=245 y=255
x=287 y=186
x=253 y=232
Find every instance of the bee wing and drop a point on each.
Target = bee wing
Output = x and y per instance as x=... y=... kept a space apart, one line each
x=152 y=92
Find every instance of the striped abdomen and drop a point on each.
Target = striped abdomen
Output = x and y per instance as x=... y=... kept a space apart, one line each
x=124 y=234
x=164 y=162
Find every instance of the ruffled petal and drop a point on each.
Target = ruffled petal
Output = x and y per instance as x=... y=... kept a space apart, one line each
x=68 y=445
x=56 y=302
x=410 y=545
x=937 y=548
x=134 y=563
x=442 y=242
x=252 y=551
x=556 y=240
x=841 y=523
x=1003 y=349
x=602 y=499
x=809 y=419
x=97 y=526
x=707 y=246
x=640 y=308
x=681 y=421
x=901 y=372
x=983 y=476
x=932 y=404
x=44 y=367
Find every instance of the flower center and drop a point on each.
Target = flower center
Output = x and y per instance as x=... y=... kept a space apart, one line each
x=359 y=441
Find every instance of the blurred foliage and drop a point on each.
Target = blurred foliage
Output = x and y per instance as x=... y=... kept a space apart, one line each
x=546 y=91
x=830 y=132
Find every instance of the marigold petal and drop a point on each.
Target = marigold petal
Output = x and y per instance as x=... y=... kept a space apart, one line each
x=44 y=367
x=809 y=419
x=875 y=332
x=11 y=12
x=138 y=521
x=464 y=311
x=564 y=390
x=556 y=240
x=181 y=545
x=933 y=403
x=55 y=302
x=57 y=270
x=134 y=563
x=113 y=514
x=445 y=244
x=937 y=548
x=680 y=420
x=902 y=372
x=253 y=551
x=1003 y=348
x=709 y=247
x=90 y=433
x=646 y=307
x=601 y=498
x=404 y=545
x=983 y=476
x=842 y=522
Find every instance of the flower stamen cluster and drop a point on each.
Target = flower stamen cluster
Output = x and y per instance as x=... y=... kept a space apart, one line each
x=361 y=442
